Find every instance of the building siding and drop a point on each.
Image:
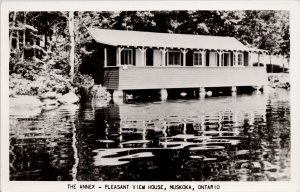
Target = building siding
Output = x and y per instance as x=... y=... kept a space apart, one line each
x=190 y=77
x=111 y=78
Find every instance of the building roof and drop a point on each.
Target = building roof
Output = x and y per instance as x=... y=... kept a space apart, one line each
x=168 y=40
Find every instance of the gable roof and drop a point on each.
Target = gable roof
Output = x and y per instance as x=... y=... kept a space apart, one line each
x=168 y=40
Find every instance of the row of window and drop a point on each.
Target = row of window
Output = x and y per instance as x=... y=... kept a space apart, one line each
x=174 y=58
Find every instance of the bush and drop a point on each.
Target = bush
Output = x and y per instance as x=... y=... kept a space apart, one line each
x=35 y=78
x=83 y=81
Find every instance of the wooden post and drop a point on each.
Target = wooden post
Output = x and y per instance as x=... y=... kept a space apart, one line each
x=233 y=90
x=282 y=61
x=203 y=57
x=258 y=59
x=250 y=59
x=220 y=53
x=202 y=92
x=263 y=59
x=235 y=63
x=105 y=57
x=143 y=51
x=118 y=96
x=184 y=51
x=119 y=55
x=271 y=62
x=163 y=94
x=163 y=51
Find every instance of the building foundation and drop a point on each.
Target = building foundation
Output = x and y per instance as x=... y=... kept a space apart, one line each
x=163 y=94
x=202 y=92
x=233 y=91
x=118 y=96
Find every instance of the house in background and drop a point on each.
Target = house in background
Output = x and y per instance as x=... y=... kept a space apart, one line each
x=132 y=60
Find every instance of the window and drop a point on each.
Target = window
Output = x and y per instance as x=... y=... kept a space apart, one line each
x=226 y=59
x=127 y=57
x=174 y=58
x=240 y=59
x=198 y=59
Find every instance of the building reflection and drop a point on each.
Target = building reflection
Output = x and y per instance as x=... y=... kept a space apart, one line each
x=207 y=133
x=143 y=121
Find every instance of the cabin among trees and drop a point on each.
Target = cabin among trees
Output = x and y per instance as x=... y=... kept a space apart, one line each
x=131 y=60
x=49 y=50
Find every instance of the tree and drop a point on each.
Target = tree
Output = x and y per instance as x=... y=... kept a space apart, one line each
x=72 y=43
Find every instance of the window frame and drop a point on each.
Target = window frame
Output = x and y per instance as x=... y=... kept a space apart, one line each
x=242 y=60
x=131 y=56
x=199 y=54
x=168 y=58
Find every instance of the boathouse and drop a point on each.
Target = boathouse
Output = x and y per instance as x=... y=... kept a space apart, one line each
x=133 y=60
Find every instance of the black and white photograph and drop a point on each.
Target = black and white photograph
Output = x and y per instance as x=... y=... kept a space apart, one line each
x=149 y=96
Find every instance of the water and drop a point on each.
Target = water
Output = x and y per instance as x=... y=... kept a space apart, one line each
x=243 y=138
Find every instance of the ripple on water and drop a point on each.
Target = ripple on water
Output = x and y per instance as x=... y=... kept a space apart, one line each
x=224 y=138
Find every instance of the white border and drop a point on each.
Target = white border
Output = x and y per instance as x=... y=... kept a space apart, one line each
x=292 y=6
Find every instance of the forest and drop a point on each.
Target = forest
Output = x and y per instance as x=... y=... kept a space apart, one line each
x=48 y=50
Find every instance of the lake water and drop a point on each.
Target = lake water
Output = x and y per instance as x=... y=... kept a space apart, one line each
x=242 y=138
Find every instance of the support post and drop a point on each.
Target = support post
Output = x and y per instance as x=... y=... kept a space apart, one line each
x=202 y=92
x=203 y=57
x=143 y=52
x=271 y=63
x=233 y=90
x=282 y=61
x=163 y=51
x=163 y=94
x=263 y=59
x=119 y=50
x=184 y=51
x=250 y=59
x=118 y=96
x=259 y=89
x=220 y=53
x=235 y=59
x=258 y=59
x=105 y=57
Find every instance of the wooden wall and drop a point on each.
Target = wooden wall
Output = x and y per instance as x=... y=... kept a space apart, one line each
x=111 y=78
x=190 y=77
x=153 y=76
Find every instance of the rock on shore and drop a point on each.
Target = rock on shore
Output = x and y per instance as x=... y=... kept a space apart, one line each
x=69 y=98
x=24 y=105
x=279 y=80
x=27 y=106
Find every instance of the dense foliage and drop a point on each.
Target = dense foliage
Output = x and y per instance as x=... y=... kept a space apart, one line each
x=46 y=47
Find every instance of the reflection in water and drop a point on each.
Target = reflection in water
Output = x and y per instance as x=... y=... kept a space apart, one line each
x=225 y=138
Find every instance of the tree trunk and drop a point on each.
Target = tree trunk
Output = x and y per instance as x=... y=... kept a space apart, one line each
x=24 y=42
x=34 y=49
x=12 y=31
x=282 y=60
x=18 y=46
x=72 y=43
